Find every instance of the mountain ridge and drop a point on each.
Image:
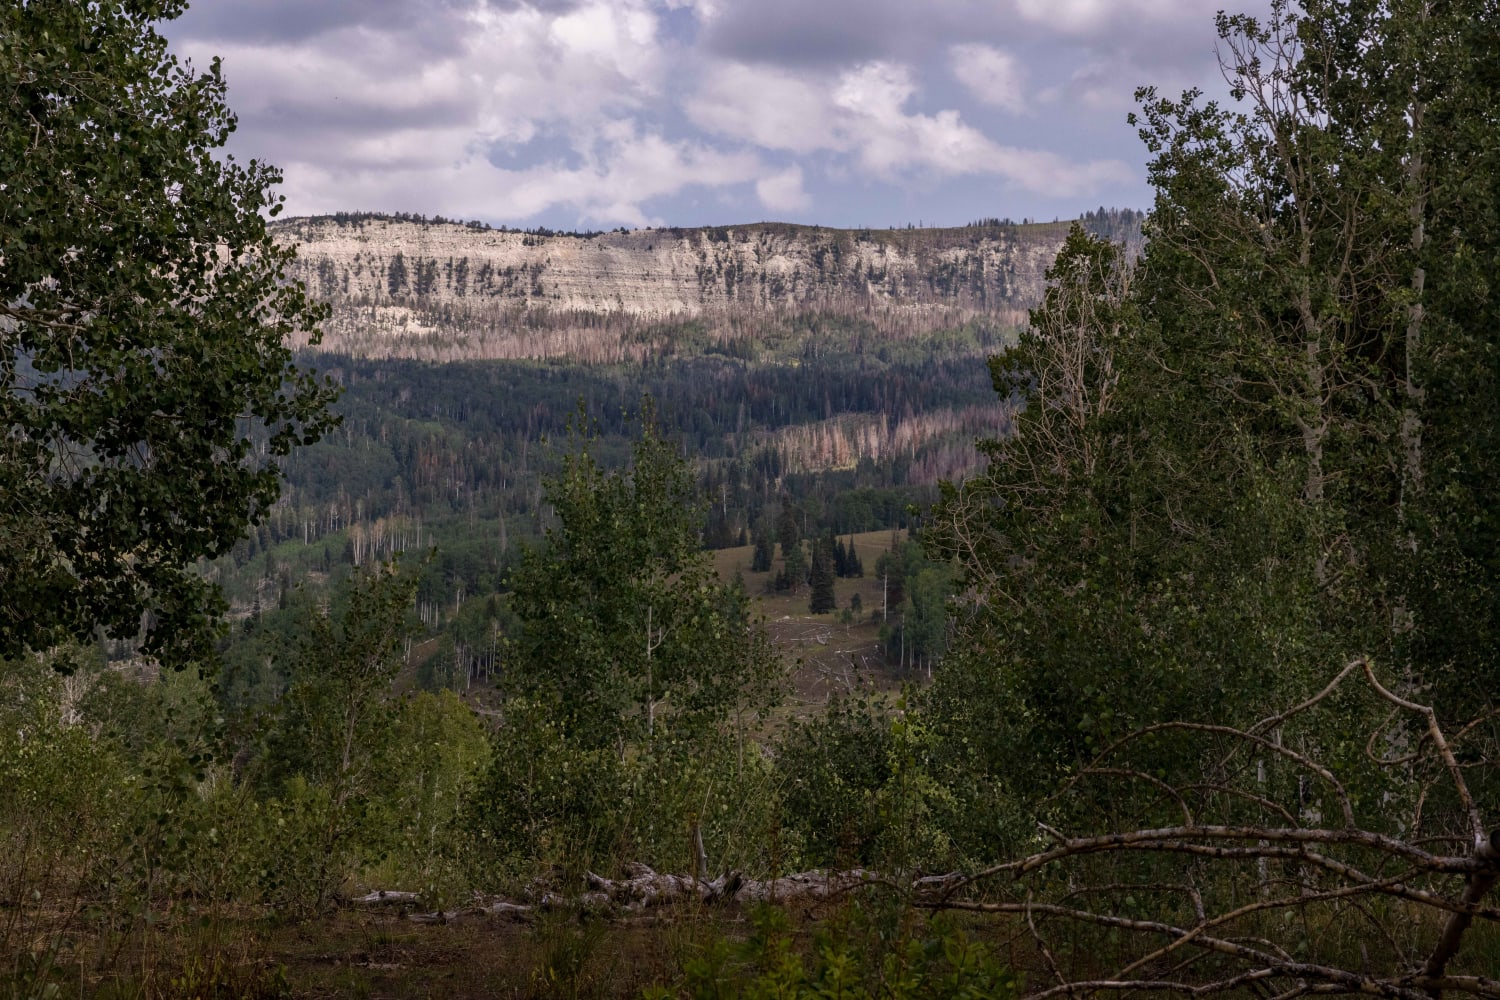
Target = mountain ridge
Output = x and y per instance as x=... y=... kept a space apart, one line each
x=440 y=290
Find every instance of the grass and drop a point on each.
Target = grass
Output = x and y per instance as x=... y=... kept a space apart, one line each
x=827 y=656
x=363 y=954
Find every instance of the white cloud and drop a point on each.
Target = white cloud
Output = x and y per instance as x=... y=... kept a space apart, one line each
x=625 y=169
x=621 y=39
x=888 y=139
x=1093 y=17
x=875 y=89
x=764 y=106
x=365 y=97
x=609 y=109
x=783 y=192
x=1071 y=16
x=863 y=114
x=357 y=120
x=993 y=77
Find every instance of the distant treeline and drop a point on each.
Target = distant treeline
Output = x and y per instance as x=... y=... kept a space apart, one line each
x=358 y=220
x=1120 y=225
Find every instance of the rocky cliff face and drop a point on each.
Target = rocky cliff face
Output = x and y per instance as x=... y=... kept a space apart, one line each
x=444 y=291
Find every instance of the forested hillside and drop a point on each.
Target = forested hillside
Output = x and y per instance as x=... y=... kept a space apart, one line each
x=839 y=369
x=437 y=686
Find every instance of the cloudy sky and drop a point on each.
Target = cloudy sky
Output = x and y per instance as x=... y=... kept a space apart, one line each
x=601 y=113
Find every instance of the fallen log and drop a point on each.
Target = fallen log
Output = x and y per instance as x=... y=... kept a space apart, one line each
x=386 y=897
x=645 y=888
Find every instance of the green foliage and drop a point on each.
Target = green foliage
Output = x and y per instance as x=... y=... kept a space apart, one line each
x=145 y=379
x=765 y=552
x=788 y=528
x=621 y=617
x=858 y=789
x=1239 y=458
x=630 y=684
x=550 y=802
x=545 y=799
x=106 y=825
x=794 y=569
x=1134 y=563
x=325 y=756
x=917 y=590
x=895 y=955
x=834 y=766
x=821 y=598
x=846 y=561
x=430 y=761
x=338 y=706
x=58 y=786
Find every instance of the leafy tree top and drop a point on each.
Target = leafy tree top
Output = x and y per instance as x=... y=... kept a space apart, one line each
x=623 y=620
x=146 y=385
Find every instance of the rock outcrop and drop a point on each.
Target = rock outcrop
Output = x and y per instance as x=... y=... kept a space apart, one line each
x=446 y=291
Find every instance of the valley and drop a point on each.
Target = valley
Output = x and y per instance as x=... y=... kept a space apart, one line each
x=785 y=369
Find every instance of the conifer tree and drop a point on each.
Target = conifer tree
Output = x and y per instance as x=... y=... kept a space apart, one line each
x=765 y=552
x=793 y=568
x=787 y=528
x=821 y=599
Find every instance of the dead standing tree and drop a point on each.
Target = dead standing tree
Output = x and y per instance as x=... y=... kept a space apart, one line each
x=1249 y=890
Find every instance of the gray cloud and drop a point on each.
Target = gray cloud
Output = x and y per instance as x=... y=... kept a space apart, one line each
x=628 y=110
x=263 y=21
x=802 y=33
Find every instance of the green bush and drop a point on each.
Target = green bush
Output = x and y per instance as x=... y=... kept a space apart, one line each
x=544 y=801
x=432 y=761
x=833 y=768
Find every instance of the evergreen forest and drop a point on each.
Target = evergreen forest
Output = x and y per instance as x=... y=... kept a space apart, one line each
x=1139 y=647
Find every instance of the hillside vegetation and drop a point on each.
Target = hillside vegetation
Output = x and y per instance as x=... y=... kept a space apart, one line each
x=685 y=671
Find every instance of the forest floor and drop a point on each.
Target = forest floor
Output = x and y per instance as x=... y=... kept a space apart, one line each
x=371 y=955
x=382 y=956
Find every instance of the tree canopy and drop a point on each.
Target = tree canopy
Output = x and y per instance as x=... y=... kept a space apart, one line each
x=623 y=622
x=1260 y=449
x=147 y=387
x=1232 y=578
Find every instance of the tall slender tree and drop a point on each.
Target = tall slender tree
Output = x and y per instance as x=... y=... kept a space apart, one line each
x=1259 y=450
x=821 y=598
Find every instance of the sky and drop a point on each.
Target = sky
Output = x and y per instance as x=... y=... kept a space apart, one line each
x=593 y=114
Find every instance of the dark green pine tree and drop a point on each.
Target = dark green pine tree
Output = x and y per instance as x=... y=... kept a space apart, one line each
x=787 y=528
x=853 y=567
x=764 y=554
x=794 y=568
x=822 y=600
x=396 y=275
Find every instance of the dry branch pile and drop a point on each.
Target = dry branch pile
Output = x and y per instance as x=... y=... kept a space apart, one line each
x=1270 y=903
x=645 y=888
